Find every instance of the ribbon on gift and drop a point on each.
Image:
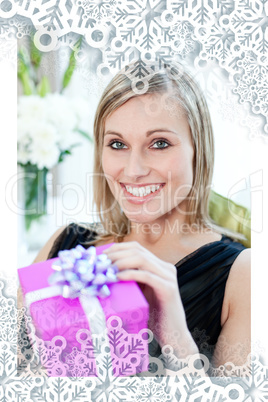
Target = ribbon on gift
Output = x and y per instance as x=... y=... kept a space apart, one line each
x=81 y=273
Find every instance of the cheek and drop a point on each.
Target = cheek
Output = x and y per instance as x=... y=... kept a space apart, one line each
x=110 y=170
x=108 y=165
x=113 y=163
x=181 y=169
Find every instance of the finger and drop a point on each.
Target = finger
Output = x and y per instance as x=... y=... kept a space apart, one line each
x=145 y=277
x=138 y=262
x=117 y=254
x=144 y=260
x=139 y=257
x=132 y=255
x=133 y=262
x=164 y=290
x=123 y=246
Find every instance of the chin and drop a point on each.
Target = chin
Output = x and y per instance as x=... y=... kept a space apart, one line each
x=141 y=218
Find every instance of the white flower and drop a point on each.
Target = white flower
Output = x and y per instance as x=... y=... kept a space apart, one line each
x=23 y=155
x=45 y=135
x=44 y=150
x=44 y=157
x=32 y=107
x=26 y=127
x=47 y=126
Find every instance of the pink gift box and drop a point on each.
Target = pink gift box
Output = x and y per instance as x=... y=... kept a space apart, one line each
x=58 y=319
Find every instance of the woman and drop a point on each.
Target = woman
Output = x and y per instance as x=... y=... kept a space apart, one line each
x=153 y=168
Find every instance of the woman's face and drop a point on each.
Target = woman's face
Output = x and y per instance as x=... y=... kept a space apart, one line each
x=147 y=158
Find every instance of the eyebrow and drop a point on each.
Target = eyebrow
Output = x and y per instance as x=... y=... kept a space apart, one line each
x=148 y=133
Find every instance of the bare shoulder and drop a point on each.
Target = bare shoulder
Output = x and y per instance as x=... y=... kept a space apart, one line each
x=240 y=271
x=44 y=252
x=237 y=289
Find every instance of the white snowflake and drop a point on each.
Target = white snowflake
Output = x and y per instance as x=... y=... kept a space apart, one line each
x=152 y=391
x=197 y=12
x=99 y=10
x=252 y=84
x=141 y=30
x=8 y=49
x=182 y=43
x=156 y=30
x=249 y=22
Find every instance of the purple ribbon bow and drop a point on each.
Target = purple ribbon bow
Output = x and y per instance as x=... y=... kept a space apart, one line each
x=80 y=271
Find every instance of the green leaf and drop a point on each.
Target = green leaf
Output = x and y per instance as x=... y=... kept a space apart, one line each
x=84 y=134
x=27 y=85
x=35 y=54
x=67 y=152
x=24 y=73
x=43 y=87
x=63 y=154
x=71 y=66
x=22 y=64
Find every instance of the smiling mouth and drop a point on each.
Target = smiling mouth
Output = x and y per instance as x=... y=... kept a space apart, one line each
x=142 y=191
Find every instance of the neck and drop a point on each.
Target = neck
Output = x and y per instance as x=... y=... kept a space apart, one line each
x=161 y=230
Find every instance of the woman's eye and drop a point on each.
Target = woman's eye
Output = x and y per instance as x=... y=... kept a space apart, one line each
x=117 y=145
x=160 y=144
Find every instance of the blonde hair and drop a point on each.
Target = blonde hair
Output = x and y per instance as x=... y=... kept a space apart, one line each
x=173 y=79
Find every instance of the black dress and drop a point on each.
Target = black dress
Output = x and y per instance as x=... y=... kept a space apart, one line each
x=202 y=277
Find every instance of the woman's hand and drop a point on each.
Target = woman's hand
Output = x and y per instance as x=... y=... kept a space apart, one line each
x=158 y=282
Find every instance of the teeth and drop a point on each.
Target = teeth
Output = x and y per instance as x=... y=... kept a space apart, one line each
x=135 y=191
x=148 y=190
x=142 y=191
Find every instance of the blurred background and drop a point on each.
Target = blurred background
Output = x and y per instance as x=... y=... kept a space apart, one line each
x=58 y=92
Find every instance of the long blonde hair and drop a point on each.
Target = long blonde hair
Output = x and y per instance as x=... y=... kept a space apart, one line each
x=173 y=79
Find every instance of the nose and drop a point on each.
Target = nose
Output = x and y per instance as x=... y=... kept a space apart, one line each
x=136 y=165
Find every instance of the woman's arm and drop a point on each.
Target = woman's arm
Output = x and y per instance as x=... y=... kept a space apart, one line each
x=234 y=341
